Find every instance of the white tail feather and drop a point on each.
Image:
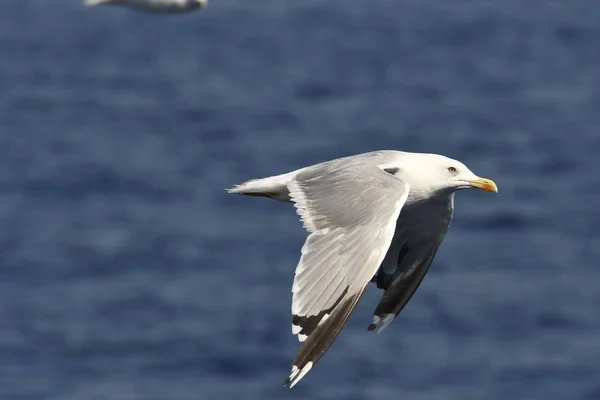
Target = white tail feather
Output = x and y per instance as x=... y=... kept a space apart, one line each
x=274 y=187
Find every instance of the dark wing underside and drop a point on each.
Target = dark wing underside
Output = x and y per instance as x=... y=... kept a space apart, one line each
x=397 y=296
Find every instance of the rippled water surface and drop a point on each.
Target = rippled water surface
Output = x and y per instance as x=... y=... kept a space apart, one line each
x=126 y=272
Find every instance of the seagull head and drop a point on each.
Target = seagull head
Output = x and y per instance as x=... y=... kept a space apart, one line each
x=433 y=173
x=459 y=177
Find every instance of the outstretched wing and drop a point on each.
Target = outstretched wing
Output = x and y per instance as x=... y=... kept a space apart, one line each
x=397 y=295
x=408 y=260
x=350 y=208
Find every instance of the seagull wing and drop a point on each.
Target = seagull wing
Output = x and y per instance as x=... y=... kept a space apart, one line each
x=397 y=295
x=350 y=207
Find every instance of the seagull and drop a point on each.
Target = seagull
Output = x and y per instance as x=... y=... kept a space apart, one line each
x=376 y=217
x=172 y=6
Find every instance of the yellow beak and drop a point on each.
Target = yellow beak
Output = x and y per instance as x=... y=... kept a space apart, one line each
x=486 y=184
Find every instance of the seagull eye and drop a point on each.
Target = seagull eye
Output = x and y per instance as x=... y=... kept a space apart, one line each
x=452 y=170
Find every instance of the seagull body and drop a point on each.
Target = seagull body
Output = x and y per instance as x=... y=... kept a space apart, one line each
x=375 y=217
x=170 y=6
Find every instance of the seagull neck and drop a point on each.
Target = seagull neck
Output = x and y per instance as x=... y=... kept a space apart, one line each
x=441 y=198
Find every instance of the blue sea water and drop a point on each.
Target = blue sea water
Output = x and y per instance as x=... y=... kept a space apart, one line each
x=127 y=272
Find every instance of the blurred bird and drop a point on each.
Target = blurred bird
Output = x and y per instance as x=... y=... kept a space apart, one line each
x=167 y=6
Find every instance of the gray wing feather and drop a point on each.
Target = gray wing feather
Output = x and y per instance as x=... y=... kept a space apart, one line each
x=350 y=207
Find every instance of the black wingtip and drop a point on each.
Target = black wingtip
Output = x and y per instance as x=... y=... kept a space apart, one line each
x=372 y=327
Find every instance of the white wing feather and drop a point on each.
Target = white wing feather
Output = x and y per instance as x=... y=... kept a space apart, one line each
x=350 y=207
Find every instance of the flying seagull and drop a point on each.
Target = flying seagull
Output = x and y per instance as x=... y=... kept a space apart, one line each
x=374 y=217
x=172 y=6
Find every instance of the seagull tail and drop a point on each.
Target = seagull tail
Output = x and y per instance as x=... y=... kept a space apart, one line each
x=274 y=187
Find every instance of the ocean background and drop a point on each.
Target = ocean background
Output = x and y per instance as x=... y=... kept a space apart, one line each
x=127 y=272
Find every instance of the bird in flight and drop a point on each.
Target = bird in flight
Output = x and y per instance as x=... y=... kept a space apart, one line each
x=376 y=217
x=168 y=6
